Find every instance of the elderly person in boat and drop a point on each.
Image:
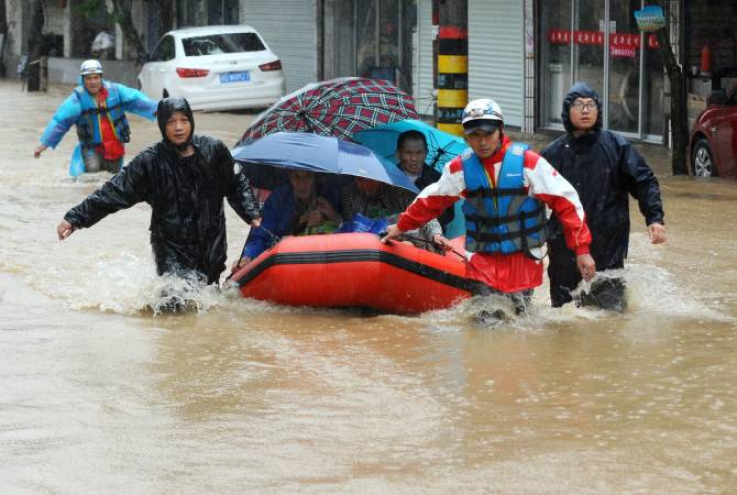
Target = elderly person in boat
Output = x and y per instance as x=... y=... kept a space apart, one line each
x=298 y=208
x=375 y=200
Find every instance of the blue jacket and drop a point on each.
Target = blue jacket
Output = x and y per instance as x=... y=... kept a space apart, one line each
x=80 y=109
x=277 y=218
x=501 y=219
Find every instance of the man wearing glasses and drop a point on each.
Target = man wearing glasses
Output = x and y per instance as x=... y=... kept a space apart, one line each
x=605 y=169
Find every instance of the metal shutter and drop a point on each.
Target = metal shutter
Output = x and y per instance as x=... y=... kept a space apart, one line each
x=496 y=55
x=289 y=27
x=422 y=59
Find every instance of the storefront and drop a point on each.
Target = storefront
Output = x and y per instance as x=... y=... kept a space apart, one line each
x=291 y=30
x=370 y=38
x=496 y=55
x=393 y=39
x=324 y=39
x=597 y=41
x=522 y=53
x=710 y=50
x=206 y=12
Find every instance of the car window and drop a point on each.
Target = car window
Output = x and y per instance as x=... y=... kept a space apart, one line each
x=164 y=50
x=222 y=43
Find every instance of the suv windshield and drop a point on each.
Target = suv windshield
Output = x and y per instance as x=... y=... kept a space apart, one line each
x=215 y=44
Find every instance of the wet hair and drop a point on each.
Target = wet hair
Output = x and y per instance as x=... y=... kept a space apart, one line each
x=411 y=135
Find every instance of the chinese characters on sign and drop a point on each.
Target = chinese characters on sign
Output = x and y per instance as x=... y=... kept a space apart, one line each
x=620 y=44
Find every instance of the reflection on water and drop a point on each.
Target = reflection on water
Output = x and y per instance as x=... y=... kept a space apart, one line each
x=243 y=396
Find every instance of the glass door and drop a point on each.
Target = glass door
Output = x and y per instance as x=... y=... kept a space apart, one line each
x=598 y=42
x=624 y=68
x=588 y=42
x=653 y=90
x=556 y=52
x=383 y=44
x=367 y=37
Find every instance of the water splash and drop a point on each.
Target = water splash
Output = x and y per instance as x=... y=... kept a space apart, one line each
x=651 y=291
x=126 y=284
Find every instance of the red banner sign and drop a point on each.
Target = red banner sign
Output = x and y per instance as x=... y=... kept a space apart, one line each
x=623 y=51
x=620 y=40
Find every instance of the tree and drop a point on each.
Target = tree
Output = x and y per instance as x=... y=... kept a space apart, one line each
x=34 y=46
x=678 y=110
x=166 y=14
x=121 y=15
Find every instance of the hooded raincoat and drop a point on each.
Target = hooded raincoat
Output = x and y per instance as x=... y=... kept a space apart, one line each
x=605 y=169
x=185 y=194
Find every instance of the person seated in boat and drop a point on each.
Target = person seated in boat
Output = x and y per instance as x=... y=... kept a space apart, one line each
x=375 y=200
x=411 y=159
x=301 y=207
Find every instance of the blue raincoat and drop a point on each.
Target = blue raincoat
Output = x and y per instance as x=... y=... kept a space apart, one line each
x=80 y=109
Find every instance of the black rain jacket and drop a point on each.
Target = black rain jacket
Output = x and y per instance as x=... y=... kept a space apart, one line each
x=605 y=169
x=186 y=196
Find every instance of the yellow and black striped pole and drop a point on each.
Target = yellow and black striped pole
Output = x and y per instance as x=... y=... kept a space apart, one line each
x=452 y=77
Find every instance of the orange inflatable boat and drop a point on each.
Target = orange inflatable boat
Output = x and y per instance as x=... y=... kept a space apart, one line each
x=355 y=270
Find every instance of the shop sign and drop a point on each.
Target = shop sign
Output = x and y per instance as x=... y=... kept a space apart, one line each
x=559 y=36
x=650 y=18
x=623 y=51
x=564 y=37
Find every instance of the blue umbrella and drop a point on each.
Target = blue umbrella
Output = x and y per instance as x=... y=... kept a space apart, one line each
x=442 y=147
x=322 y=154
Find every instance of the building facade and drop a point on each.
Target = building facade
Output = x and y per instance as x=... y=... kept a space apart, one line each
x=292 y=31
x=523 y=53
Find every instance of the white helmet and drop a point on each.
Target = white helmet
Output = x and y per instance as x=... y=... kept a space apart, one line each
x=91 y=66
x=484 y=114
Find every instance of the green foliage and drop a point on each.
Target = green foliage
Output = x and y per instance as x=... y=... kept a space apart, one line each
x=90 y=8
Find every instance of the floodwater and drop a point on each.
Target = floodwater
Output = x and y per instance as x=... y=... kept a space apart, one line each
x=99 y=394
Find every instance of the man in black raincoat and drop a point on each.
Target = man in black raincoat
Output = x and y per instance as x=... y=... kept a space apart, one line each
x=184 y=178
x=604 y=168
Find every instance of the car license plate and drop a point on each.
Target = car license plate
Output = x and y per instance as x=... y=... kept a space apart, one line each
x=229 y=77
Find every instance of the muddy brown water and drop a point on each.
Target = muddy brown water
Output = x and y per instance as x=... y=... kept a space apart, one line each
x=100 y=395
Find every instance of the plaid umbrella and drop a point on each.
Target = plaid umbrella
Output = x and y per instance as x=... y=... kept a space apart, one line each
x=338 y=107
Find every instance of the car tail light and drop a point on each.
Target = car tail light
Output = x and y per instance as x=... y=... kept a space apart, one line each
x=183 y=72
x=275 y=65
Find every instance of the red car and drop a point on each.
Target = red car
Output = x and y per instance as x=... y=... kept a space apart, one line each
x=714 y=136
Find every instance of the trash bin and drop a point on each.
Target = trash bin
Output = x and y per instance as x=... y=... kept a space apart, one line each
x=35 y=74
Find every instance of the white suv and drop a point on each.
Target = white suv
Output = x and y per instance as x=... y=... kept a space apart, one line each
x=214 y=68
